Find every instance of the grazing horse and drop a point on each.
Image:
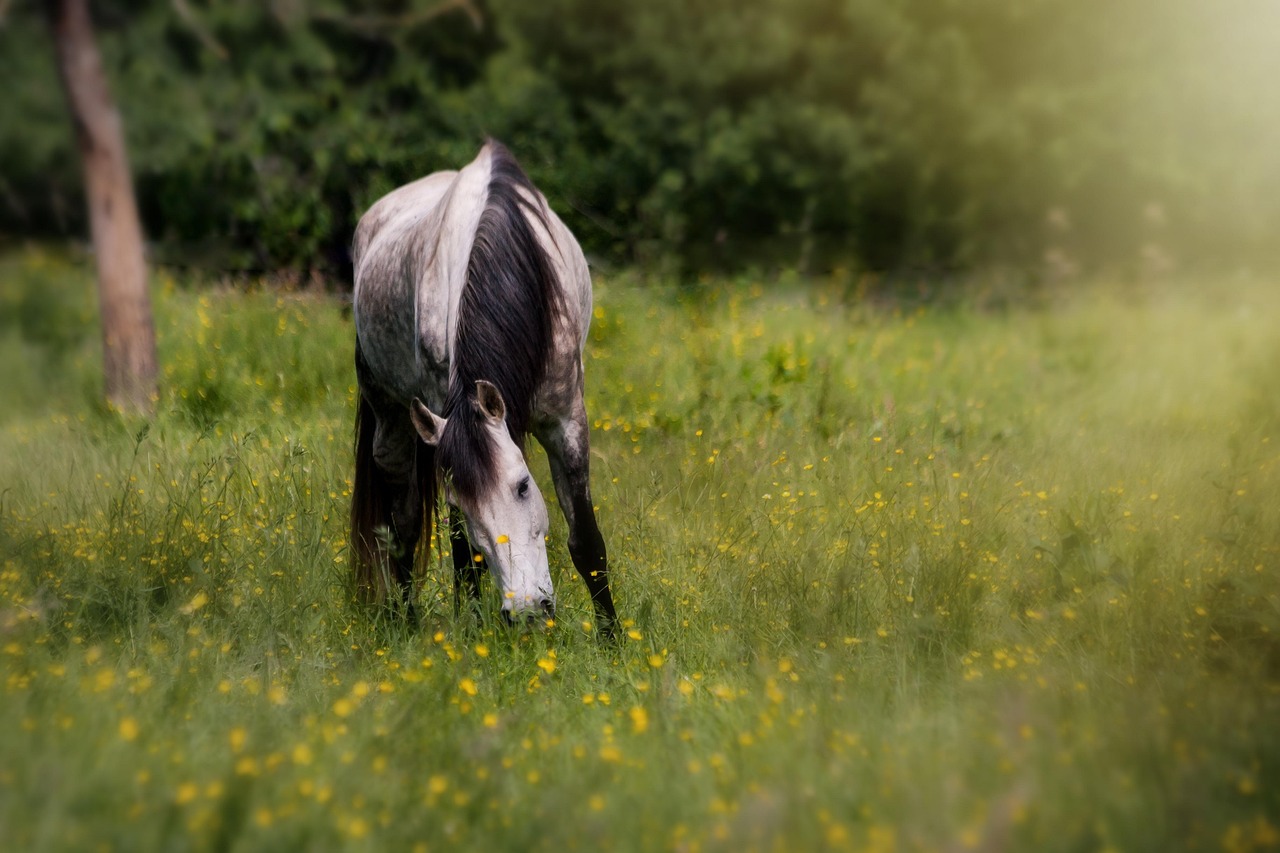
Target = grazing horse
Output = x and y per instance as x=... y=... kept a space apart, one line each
x=472 y=302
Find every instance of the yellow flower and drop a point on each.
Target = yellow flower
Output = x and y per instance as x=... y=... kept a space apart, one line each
x=199 y=600
x=639 y=720
x=467 y=686
x=547 y=665
x=129 y=728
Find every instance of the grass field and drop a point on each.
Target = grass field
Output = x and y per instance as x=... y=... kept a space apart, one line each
x=895 y=578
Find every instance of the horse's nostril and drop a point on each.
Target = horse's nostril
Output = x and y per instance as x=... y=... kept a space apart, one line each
x=548 y=606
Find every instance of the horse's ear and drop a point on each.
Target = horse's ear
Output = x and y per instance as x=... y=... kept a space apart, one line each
x=489 y=398
x=428 y=425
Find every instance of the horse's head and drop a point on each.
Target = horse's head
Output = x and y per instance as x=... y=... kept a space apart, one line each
x=490 y=482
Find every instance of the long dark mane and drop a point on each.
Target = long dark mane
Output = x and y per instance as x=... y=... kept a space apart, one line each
x=505 y=325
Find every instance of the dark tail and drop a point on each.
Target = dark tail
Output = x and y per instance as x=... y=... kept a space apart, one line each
x=376 y=569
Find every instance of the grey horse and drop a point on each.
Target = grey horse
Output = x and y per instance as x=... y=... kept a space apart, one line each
x=472 y=303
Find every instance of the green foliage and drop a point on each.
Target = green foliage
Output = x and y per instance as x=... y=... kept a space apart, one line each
x=894 y=578
x=907 y=134
x=51 y=331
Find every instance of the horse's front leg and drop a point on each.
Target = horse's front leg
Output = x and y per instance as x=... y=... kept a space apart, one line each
x=396 y=451
x=468 y=564
x=568 y=450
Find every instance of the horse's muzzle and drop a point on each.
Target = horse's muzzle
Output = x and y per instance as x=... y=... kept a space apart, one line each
x=544 y=608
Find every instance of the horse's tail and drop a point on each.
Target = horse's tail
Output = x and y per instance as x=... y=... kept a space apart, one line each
x=368 y=511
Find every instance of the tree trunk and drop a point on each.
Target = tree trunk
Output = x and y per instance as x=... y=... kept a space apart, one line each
x=128 y=333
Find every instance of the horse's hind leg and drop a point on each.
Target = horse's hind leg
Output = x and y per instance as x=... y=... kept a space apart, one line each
x=568 y=451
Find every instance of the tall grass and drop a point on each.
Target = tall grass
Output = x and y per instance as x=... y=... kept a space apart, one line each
x=894 y=579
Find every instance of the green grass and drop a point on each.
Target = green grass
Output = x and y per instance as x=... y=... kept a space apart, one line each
x=894 y=579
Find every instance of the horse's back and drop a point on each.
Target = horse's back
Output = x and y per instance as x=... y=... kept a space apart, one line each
x=411 y=252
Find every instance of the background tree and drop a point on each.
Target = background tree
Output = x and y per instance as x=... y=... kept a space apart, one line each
x=128 y=334
x=925 y=136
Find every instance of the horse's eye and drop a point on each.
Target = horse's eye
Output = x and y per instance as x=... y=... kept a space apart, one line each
x=523 y=489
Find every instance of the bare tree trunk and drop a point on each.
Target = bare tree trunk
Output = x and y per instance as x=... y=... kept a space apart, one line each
x=128 y=333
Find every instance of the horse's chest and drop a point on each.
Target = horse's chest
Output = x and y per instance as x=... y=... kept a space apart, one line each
x=397 y=361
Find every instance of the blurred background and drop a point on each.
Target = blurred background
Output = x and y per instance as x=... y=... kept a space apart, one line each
x=934 y=137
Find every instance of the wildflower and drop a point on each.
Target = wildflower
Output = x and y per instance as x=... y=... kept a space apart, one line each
x=468 y=686
x=639 y=720
x=129 y=728
x=200 y=599
x=104 y=679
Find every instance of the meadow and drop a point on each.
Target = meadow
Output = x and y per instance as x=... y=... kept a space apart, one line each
x=996 y=574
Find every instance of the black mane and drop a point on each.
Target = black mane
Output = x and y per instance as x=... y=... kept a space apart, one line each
x=505 y=324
